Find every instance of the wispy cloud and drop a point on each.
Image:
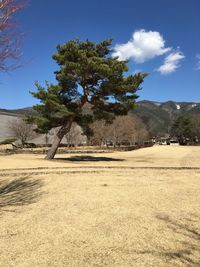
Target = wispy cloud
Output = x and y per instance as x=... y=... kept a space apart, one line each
x=171 y=63
x=198 y=62
x=143 y=45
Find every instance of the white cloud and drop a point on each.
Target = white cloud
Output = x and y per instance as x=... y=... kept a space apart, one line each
x=171 y=63
x=142 y=46
x=198 y=61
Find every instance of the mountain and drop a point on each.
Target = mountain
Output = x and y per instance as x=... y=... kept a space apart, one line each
x=17 y=112
x=157 y=116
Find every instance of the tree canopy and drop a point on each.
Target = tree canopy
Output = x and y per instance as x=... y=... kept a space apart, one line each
x=186 y=128
x=87 y=74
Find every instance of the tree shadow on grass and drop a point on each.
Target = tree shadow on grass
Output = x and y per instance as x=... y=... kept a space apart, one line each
x=19 y=192
x=89 y=158
x=188 y=253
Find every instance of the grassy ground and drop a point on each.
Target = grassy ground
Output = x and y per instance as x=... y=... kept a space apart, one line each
x=137 y=208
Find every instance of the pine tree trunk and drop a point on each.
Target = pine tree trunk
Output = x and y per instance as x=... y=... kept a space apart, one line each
x=58 y=138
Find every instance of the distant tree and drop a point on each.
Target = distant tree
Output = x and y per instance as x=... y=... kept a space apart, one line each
x=100 y=133
x=121 y=130
x=124 y=129
x=9 y=38
x=21 y=130
x=182 y=129
x=87 y=74
x=140 y=133
x=196 y=126
x=74 y=137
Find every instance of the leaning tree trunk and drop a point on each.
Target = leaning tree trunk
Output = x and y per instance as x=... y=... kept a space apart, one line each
x=58 y=138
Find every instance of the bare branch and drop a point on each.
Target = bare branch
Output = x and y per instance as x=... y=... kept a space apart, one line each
x=21 y=130
x=125 y=129
x=10 y=39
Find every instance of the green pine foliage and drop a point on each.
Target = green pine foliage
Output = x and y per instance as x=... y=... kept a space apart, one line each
x=182 y=127
x=87 y=74
x=186 y=127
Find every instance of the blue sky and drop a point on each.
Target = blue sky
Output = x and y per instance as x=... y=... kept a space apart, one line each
x=159 y=37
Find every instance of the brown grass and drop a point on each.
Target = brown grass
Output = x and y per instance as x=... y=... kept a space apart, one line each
x=137 y=208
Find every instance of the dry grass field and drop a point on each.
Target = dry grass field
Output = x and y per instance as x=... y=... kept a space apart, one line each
x=138 y=208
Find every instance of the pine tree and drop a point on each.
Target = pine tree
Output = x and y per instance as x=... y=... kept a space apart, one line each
x=182 y=129
x=87 y=74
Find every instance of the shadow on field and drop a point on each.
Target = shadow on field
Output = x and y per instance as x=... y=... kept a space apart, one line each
x=19 y=192
x=189 y=240
x=89 y=158
x=188 y=253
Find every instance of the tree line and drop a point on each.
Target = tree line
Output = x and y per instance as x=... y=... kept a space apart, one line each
x=125 y=130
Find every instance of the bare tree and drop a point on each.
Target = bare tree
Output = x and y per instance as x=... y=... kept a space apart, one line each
x=124 y=130
x=74 y=136
x=9 y=38
x=140 y=133
x=100 y=133
x=121 y=130
x=21 y=130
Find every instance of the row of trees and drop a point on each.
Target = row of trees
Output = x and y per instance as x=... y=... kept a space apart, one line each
x=128 y=130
